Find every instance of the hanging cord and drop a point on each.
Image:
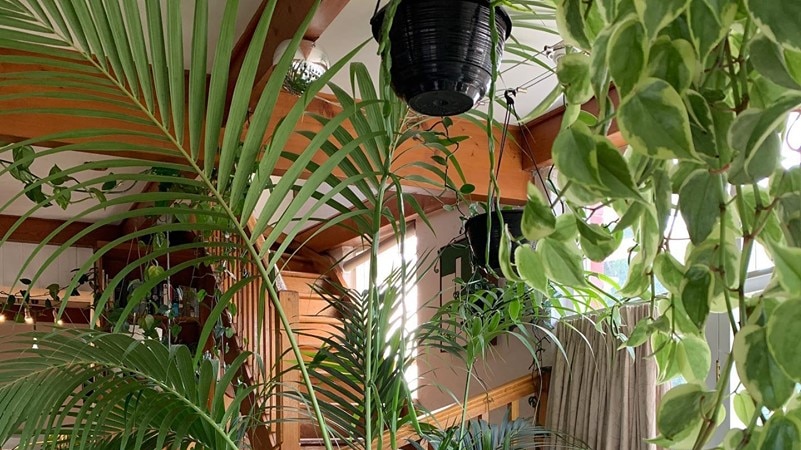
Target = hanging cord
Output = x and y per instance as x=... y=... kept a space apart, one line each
x=377 y=6
x=509 y=95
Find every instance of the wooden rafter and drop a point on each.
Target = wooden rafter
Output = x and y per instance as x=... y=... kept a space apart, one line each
x=472 y=155
x=346 y=232
x=540 y=134
x=36 y=230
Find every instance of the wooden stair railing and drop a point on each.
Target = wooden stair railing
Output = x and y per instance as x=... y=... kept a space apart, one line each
x=508 y=395
x=270 y=343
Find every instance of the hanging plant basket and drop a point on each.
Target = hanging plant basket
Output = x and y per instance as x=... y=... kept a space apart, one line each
x=478 y=235
x=441 y=52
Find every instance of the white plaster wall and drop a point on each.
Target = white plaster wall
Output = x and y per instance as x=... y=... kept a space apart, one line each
x=13 y=256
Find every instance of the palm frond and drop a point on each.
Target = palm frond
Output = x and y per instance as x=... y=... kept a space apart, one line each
x=87 y=389
x=338 y=368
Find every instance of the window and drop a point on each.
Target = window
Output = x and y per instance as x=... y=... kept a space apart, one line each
x=391 y=259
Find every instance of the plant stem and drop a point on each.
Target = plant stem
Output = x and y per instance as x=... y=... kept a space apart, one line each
x=722 y=264
x=465 y=398
x=711 y=422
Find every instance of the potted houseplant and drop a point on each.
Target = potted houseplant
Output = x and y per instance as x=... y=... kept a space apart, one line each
x=441 y=51
x=484 y=231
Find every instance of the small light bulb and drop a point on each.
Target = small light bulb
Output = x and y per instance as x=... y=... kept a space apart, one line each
x=59 y=322
x=35 y=346
x=28 y=318
x=2 y=318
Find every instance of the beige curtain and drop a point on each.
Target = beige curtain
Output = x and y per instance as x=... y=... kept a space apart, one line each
x=601 y=395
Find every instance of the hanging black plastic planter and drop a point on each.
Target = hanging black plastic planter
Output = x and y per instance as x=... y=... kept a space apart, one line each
x=477 y=235
x=441 y=52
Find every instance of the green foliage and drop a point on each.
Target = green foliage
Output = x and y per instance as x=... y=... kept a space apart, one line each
x=338 y=368
x=87 y=389
x=517 y=434
x=705 y=88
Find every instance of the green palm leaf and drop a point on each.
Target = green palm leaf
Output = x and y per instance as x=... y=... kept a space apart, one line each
x=121 y=71
x=88 y=389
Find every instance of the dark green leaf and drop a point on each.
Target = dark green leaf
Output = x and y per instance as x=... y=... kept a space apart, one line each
x=700 y=200
x=769 y=60
x=783 y=336
x=709 y=22
x=24 y=156
x=614 y=171
x=62 y=197
x=627 y=55
x=781 y=433
x=597 y=242
x=35 y=194
x=538 y=218
x=680 y=411
x=55 y=179
x=656 y=15
x=562 y=262
x=778 y=19
x=696 y=293
x=109 y=185
x=573 y=72
x=654 y=121
x=757 y=369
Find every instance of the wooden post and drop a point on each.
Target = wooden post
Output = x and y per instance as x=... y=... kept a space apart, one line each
x=288 y=408
x=514 y=409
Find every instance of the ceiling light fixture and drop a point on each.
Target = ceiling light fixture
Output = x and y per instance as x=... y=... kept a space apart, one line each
x=308 y=65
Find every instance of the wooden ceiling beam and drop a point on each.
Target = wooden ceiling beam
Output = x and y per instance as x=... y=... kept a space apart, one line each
x=345 y=232
x=19 y=126
x=35 y=230
x=540 y=133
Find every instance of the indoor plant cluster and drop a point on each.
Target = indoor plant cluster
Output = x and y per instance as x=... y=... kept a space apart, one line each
x=705 y=89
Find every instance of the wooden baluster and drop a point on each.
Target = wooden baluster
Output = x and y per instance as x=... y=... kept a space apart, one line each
x=289 y=409
x=514 y=409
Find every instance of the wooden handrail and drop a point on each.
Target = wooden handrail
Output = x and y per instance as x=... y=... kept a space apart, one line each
x=506 y=395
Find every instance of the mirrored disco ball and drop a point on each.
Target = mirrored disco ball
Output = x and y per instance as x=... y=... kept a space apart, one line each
x=309 y=64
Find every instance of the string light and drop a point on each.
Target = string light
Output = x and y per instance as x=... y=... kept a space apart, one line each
x=2 y=318
x=28 y=317
x=35 y=346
